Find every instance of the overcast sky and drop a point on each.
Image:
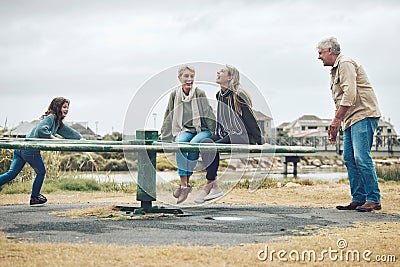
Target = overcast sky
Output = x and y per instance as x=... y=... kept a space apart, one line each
x=100 y=54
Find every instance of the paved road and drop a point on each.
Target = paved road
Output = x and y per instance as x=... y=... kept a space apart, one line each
x=257 y=224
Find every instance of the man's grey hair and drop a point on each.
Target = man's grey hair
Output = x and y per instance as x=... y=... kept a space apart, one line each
x=330 y=42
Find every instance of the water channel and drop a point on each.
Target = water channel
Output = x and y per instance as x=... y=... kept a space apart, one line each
x=319 y=174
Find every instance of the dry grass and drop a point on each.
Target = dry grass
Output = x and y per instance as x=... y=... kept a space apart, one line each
x=380 y=238
x=318 y=195
x=102 y=213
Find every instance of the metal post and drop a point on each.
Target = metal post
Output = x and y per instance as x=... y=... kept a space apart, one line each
x=286 y=160
x=146 y=186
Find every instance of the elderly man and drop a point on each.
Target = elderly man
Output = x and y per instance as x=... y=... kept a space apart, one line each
x=357 y=108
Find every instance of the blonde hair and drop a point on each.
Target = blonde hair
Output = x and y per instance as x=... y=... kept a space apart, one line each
x=185 y=67
x=240 y=96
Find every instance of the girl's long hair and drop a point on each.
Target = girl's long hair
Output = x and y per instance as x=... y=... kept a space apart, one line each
x=55 y=109
x=240 y=96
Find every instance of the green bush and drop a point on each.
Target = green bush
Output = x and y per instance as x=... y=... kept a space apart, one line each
x=111 y=155
x=131 y=164
x=72 y=184
x=389 y=173
x=115 y=187
x=164 y=164
x=115 y=165
x=23 y=187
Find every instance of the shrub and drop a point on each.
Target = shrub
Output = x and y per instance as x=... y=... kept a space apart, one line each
x=389 y=173
x=5 y=159
x=115 y=165
x=111 y=155
x=51 y=160
x=87 y=161
x=72 y=184
x=165 y=163
x=115 y=187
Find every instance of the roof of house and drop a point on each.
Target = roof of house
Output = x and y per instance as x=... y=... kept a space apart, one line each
x=81 y=129
x=311 y=120
x=25 y=127
x=305 y=133
x=261 y=116
x=283 y=125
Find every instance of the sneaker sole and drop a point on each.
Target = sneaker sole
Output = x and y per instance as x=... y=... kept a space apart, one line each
x=210 y=197
x=38 y=205
x=199 y=201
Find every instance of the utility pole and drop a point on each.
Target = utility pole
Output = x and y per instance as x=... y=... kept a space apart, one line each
x=97 y=126
x=155 y=120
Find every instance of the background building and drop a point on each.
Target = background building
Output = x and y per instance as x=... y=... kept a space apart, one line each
x=24 y=128
x=265 y=124
x=311 y=125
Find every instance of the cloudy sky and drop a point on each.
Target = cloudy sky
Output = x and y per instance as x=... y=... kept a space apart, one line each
x=101 y=54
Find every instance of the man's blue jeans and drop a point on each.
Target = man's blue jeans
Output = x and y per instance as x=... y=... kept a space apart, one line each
x=34 y=159
x=186 y=161
x=357 y=158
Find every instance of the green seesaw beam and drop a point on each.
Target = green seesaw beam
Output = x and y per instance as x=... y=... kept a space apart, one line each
x=140 y=145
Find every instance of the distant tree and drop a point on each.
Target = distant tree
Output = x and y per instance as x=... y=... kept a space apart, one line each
x=115 y=136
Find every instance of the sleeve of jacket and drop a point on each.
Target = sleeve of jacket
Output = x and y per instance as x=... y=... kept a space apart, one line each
x=166 y=128
x=69 y=133
x=45 y=126
x=251 y=124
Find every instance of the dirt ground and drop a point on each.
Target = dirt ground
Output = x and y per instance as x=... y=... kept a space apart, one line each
x=376 y=239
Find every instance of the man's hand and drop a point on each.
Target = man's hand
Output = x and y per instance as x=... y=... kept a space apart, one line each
x=333 y=130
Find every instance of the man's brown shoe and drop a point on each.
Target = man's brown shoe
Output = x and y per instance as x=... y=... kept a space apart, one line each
x=369 y=206
x=352 y=206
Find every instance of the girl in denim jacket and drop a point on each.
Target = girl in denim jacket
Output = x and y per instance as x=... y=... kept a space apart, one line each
x=51 y=124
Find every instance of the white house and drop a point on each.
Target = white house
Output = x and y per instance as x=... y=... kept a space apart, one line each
x=265 y=124
x=311 y=125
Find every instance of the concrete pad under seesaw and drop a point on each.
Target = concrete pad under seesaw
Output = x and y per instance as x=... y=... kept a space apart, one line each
x=215 y=224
